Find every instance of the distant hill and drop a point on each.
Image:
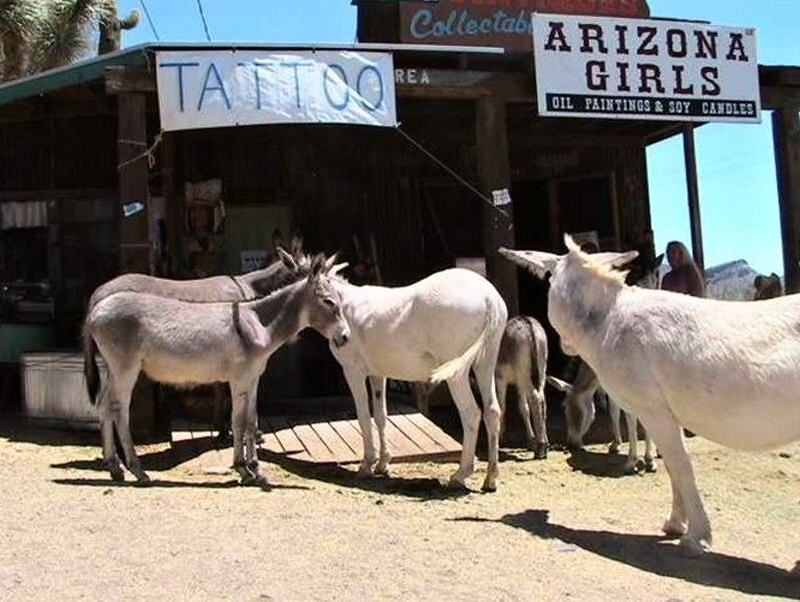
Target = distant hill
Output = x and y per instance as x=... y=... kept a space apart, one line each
x=732 y=281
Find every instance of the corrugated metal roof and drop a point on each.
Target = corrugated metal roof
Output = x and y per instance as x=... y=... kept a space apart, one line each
x=137 y=56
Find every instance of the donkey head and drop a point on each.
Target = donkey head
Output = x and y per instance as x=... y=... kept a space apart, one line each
x=581 y=287
x=324 y=303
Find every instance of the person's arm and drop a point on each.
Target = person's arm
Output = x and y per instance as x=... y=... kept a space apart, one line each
x=697 y=287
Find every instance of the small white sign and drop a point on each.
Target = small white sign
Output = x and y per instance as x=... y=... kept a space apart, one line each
x=501 y=197
x=615 y=68
x=202 y=89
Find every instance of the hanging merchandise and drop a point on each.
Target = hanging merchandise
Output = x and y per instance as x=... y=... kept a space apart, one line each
x=205 y=218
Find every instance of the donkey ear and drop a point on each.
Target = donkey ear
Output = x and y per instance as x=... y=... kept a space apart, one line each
x=287 y=259
x=615 y=260
x=329 y=263
x=317 y=265
x=337 y=268
x=659 y=260
x=537 y=262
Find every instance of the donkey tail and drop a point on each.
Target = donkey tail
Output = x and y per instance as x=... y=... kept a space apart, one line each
x=496 y=316
x=460 y=364
x=90 y=370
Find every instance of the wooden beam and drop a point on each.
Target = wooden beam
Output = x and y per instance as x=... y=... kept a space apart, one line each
x=786 y=135
x=129 y=79
x=455 y=84
x=131 y=142
x=693 y=194
x=495 y=174
x=775 y=97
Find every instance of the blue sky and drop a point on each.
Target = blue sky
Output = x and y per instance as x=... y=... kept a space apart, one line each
x=738 y=194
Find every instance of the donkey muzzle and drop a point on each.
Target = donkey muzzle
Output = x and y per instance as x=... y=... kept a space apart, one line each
x=340 y=338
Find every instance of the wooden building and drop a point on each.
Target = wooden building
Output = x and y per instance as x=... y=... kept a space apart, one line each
x=76 y=138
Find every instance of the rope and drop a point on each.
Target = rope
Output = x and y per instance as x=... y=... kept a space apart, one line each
x=452 y=172
x=151 y=160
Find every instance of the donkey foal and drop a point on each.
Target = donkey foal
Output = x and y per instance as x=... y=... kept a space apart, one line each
x=522 y=362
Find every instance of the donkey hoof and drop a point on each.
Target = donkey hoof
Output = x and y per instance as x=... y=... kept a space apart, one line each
x=489 y=485
x=366 y=470
x=674 y=528
x=650 y=465
x=691 y=547
x=116 y=472
x=613 y=448
x=540 y=451
x=457 y=484
x=143 y=480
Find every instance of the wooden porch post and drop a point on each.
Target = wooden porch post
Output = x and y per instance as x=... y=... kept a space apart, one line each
x=693 y=191
x=786 y=134
x=494 y=172
x=131 y=141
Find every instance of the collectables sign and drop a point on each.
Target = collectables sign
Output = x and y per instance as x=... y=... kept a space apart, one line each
x=645 y=69
x=504 y=23
x=202 y=89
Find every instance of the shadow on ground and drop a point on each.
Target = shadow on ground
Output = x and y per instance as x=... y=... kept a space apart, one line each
x=658 y=556
x=598 y=464
x=167 y=484
x=418 y=488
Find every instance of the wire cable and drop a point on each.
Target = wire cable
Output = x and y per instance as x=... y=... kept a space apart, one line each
x=150 y=20
x=203 y=17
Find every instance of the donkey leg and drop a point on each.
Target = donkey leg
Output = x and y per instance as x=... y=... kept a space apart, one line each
x=524 y=401
x=502 y=391
x=239 y=420
x=358 y=387
x=256 y=475
x=633 y=464
x=650 y=464
x=123 y=389
x=484 y=374
x=538 y=408
x=613 y=412
x=378 y=386
x=668 y=436
x=470 y=422
x=110 y=457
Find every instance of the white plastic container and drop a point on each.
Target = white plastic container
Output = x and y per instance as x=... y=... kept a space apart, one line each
x=54 y=389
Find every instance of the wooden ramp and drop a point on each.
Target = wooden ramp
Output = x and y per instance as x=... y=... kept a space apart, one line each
x=412 y=438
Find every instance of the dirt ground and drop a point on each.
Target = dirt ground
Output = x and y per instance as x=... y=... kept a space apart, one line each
x=557 y=529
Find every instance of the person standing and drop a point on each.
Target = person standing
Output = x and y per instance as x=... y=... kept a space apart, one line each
x=684 y=276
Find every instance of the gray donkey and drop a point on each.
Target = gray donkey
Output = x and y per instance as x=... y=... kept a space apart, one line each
x=187 y=344
x=522 y=362
x=244 y=287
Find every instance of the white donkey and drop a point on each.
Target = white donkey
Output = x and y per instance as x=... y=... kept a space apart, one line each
x=728 y=371
x=186 y=344
x=436 y=329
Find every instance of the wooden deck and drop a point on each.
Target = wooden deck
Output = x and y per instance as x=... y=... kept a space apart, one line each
x=412 y=438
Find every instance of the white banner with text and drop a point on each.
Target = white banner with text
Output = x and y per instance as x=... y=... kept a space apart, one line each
x=203 y=89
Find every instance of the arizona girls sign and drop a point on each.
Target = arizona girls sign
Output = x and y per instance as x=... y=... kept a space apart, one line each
x=645 y=69
x=505 y=23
